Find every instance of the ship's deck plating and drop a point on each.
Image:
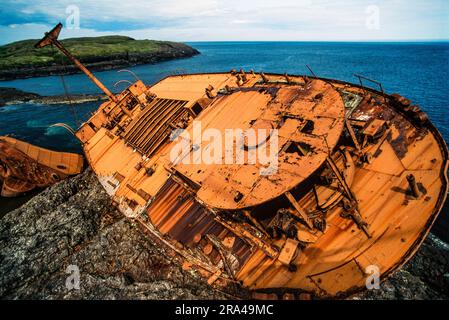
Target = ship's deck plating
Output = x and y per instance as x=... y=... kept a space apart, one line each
x=287 y=109
x=330 y=260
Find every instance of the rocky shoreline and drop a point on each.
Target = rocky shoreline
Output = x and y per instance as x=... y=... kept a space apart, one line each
x=69 y=99
x=10 y=96
x=74 y=224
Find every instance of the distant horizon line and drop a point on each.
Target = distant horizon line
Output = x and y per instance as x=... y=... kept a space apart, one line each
x=331 y=41
x=273 y=41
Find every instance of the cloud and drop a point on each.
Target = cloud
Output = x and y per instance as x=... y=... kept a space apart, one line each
x=233 y=19
x=241 y=21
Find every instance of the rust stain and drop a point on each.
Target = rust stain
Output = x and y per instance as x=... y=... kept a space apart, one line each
x=24 y=167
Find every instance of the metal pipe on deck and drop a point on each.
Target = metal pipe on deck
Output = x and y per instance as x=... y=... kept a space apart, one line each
x=413 y=186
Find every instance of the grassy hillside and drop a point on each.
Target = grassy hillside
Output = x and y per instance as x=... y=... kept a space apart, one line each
x=106 y=51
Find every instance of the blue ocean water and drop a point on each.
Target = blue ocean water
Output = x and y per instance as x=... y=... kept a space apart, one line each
x=419 y=71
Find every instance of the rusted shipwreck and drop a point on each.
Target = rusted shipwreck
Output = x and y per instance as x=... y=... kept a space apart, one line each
x=25 y=167
x=360 y=178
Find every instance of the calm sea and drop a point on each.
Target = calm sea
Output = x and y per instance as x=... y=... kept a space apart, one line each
x=419 y=71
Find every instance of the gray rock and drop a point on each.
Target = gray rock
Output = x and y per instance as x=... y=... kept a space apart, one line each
x=74 y=223
x=13 y=94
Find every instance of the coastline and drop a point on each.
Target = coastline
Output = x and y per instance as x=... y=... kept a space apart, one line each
x=120 y=58
x=10 y=96
x=62 y=99
x=33 y=72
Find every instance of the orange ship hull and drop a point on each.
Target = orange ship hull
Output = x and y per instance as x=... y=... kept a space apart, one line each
x=25 y=167
x=366 y=216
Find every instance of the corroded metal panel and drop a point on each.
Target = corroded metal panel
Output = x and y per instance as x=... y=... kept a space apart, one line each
x=152 y=126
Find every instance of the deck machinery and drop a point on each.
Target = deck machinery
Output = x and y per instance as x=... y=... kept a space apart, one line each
x=359 y=180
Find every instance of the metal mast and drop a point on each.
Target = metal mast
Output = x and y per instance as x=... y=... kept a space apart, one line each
x=52 y=38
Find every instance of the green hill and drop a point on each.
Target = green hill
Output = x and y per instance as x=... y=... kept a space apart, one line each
x=20 y=59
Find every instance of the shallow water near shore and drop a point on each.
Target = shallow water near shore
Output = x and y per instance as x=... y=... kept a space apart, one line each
x=9 y=204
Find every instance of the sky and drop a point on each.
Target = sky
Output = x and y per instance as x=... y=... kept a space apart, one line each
x=230 y=20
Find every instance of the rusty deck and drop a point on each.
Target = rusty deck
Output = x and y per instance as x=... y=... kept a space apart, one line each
x=348 y=200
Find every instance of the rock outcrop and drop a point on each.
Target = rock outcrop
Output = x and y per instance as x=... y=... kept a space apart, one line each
x=14 y=96
x=9 y=95
x=73 y=224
